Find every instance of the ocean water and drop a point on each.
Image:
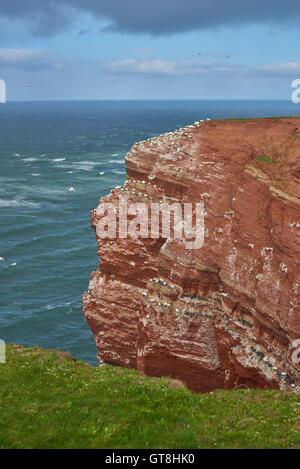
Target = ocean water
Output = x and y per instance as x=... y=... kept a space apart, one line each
x=45 y=233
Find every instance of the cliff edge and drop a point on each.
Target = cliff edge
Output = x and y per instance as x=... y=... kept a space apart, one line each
x=226 y=315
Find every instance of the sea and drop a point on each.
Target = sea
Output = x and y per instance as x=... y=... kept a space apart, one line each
x=47 y=148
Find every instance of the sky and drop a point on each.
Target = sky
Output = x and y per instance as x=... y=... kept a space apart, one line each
x=158 y=49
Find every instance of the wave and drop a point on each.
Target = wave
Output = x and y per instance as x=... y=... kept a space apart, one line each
x=117 y=161
x=116 y=171
x=19 y=203
x=58 y=160
x=91 y=163
x=86 y=165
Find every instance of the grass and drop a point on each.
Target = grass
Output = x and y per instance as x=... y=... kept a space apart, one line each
x=264 y=158
x=251 y=119
x=49 y=400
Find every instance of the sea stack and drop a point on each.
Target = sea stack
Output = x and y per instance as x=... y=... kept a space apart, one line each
x=226 y=315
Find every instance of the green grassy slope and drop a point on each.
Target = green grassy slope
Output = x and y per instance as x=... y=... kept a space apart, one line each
x=48 y=400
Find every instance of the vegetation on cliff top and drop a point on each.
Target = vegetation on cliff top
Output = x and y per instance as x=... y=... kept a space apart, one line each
x=49 y=400
x=264 y=158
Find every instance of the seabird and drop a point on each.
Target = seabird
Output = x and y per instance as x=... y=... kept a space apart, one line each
x=71 y=189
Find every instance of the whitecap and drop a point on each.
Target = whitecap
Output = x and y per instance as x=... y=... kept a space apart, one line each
x=115 y=171
x=18 y=203
x=116 y=161
x=57 y=160
x=35 y=174
x=115 y=154
x=101 y=173
x=86 y=165
x=91 y=163
x=30 y=159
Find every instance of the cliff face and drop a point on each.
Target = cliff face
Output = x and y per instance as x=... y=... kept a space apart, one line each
x=225 y=315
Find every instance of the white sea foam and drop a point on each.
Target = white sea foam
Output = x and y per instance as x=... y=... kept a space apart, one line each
x=116 y=161
x=116 y=171
x=86 y=165
x=30 y=159
x=89 y=163
x=18 y=203
x=57 y=160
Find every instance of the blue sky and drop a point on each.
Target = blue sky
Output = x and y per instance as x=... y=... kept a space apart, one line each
x=130 y=49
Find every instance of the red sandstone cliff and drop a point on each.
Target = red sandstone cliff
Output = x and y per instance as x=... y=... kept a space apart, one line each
x=226 y=315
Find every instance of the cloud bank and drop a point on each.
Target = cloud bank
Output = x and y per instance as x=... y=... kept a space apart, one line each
x=48 y=17
x=26 y=59
x=165 y=67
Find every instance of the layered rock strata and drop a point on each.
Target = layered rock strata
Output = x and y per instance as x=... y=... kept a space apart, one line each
x=226 y=315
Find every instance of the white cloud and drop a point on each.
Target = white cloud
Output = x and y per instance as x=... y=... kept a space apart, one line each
x=288 y=68
x=156 y=66
x=226 y=68
x=25 y=58
x=170 y=67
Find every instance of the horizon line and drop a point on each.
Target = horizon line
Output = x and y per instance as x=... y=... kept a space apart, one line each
x=142 y=100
